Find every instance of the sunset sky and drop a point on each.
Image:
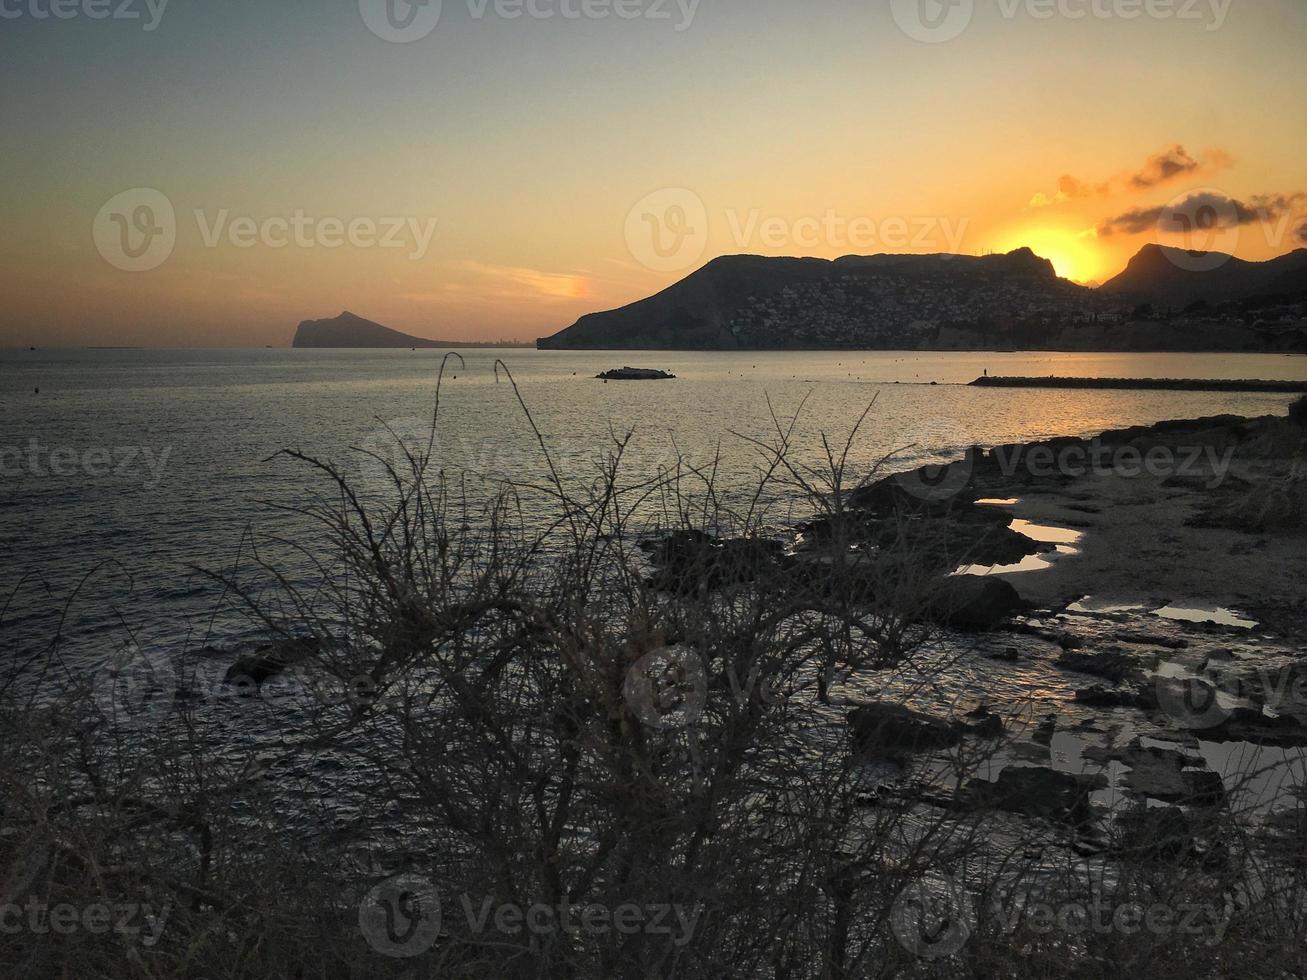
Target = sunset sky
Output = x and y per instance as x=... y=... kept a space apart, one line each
x=516 y=162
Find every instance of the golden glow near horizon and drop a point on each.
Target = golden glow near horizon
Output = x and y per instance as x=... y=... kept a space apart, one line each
x=1074 y=255
x=498 y=178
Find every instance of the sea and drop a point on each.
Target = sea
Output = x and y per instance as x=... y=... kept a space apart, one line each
x=126 y=473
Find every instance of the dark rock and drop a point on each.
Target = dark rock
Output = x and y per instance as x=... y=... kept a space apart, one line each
x=691 y=560
x=1259 y=728
x=1154 y=834
x=890 y=731
x=1037 y=792
x=1298 y=412
x=986 y=724
x=1106 y=697
x=930 y=513
x=1110 y=665
x=1204 y=788
x=974 y=602
x=271 y=660
x=1153 y=639
x=1165 y=774
x=1046 y=730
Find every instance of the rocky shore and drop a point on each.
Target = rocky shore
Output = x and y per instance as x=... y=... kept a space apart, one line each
x=1117 y=622
x=1112 y=633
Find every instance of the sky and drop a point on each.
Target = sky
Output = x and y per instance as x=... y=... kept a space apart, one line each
x=203 y=173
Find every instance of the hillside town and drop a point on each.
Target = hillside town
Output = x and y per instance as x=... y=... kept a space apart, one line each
x=860 y=311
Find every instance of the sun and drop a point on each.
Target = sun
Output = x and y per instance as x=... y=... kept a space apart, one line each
x=1073 y=255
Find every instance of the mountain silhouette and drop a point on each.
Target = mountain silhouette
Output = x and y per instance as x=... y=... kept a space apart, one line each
x=754 y=301
x=1174 y=278
x=351 y=330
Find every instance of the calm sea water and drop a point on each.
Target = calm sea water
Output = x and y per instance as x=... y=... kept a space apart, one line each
x=132 y=466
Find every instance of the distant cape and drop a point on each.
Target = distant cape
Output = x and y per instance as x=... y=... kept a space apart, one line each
x=350 y=330
x=1172 y=277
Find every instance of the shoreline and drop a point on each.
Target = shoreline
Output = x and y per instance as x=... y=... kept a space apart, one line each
x=1214 y=523
x=1257 y=386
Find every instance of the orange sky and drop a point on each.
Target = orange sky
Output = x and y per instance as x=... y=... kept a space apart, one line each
x=499 y=177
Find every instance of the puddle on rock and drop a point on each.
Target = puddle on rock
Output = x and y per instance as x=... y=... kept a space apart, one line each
x=1205 y=614
x=1089 y=606
x=1030 y=563
x=1048 y=533
x=1064 y=540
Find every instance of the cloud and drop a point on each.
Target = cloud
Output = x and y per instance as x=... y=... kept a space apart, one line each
x=1161 y=168
x=1203 y=211
x=497 y=283
x=1069 y=188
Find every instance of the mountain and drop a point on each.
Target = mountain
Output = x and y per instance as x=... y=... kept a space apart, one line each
x=875 y=301
x=350 y=330
x=1173 y=278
